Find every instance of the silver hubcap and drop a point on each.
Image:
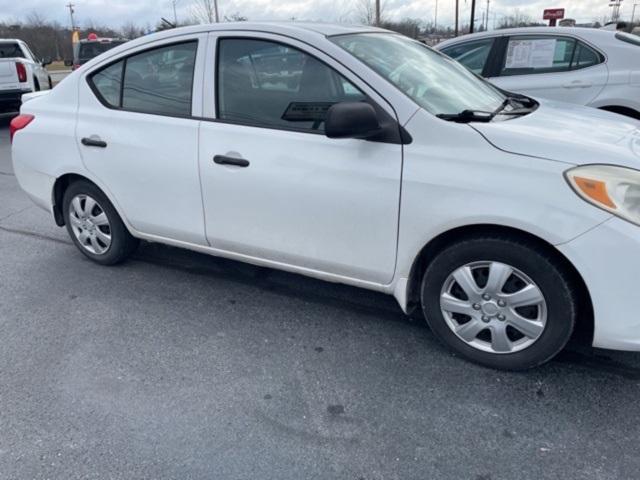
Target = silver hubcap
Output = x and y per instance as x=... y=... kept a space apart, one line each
x=90 y=224
x=493 y=307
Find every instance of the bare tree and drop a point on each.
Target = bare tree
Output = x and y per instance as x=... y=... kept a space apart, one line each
x=130 y=31
x=518 y=19
x=206 y=11
x=366 y=11
x=235 y=17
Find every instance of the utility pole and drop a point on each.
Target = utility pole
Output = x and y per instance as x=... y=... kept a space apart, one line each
x=633 y=13
x=175 y=13
x=215 y=7
x=473 y=15
x=486 y=27
x=435 y=21
x=71 y=12
x=457 y=12
x=377 y=13
x=616 y=4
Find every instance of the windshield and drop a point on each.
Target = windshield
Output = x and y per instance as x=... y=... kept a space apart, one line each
x=435 y=82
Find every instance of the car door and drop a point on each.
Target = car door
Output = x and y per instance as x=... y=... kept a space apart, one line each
x=137 y=132
x=274 y=186
x=554 y=67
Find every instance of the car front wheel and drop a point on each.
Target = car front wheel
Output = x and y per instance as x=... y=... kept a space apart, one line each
x=94 y=225
x=499 y=301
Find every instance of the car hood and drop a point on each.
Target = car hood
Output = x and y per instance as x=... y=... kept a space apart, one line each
x=568 y=133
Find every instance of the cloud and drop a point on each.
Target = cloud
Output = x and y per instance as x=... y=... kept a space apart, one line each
x=117 y=12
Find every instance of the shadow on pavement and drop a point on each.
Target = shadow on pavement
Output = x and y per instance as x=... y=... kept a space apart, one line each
x=578 y=356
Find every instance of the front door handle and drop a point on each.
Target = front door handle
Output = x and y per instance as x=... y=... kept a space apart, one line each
x=224 y=160
x=93 y=142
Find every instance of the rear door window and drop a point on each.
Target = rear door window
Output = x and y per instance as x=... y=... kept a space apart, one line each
x=158 y=81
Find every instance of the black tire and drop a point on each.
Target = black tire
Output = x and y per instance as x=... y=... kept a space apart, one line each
x=541 y=268
x=123 y=244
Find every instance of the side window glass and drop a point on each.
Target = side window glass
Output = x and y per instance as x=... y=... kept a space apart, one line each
x=473 y=55
x=269 y=84
x=160 y=81
x=585 y=57
x=531 y=55
x=107 y=83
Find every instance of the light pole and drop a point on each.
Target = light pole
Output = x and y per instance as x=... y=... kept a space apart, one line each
x=175 y=13
x=633 y=12
x=457 y=11
x=473 y=15
x=377 y=13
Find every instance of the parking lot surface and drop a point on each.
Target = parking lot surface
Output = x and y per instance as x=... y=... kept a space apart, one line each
x=180 y=365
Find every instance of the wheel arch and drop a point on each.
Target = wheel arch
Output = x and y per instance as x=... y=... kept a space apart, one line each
x=619 y=109
x=585 y=322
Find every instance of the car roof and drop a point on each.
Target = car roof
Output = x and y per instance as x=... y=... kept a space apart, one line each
x=596 y=35
x=287 y=28
x=304 y=31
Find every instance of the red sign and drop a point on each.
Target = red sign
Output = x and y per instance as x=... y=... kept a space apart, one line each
x=553 y=14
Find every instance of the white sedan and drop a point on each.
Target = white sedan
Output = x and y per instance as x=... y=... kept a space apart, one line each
x=597 y=68
x=353 y=155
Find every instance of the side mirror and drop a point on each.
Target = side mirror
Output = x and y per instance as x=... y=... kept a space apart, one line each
x=46 y=61
x=351 y=120
x=68 y=63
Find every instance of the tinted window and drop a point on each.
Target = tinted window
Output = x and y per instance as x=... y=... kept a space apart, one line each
x=89 y=50
x=158 y=81
x=108 y=82
x=584 y=57
x=472 y=55
x=527 y=55
x=270 y=84
x=10 y=50
x=161 y=80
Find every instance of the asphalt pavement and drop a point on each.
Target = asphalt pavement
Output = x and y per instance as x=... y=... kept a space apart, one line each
x=177 y=365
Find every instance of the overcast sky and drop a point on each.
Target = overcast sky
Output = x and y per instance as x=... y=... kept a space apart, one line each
x=117 y=12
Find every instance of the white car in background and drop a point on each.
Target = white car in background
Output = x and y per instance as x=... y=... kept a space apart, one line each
x=593 y=67
x=353 y=155
x=20 y=72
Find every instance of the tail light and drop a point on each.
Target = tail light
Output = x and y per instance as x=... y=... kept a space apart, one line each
x=18 y=123
x=22 y=72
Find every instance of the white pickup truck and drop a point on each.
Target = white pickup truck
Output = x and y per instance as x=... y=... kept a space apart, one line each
x=20 y=72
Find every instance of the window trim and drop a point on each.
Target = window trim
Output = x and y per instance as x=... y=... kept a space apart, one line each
x=123 y=59
x=577 y=40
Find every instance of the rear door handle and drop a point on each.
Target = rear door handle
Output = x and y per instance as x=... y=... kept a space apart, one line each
x=224 y=160
x=93 y=142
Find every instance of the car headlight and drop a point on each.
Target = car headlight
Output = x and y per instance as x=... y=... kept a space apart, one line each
x=611 y=188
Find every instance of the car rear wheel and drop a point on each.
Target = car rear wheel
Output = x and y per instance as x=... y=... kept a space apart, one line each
x=94 y=225
x=499 y=301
